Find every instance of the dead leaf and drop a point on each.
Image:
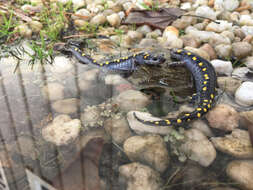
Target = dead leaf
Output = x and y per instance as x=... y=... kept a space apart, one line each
x=160 y=18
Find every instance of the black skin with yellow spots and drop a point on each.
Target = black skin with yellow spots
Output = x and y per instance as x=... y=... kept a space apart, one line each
x=205 y=82
x=124 y=64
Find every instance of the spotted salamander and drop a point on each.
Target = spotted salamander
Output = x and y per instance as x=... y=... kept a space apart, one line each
x=205 y=82
x=125 y=64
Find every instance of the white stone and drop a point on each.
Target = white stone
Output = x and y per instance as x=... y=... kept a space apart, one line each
x=222 y=67
x=198 y=147
x=53 y=91
x=114 y=80
x=98 y=19
x=78 y=3
x=122 y=15
x=205 y=11
x=244 y=94
x=248 y=30
x=62 y=131
x=246 y=20
x=114 y=19
x=249 y=62
x=223 y=50
x=131 y=100
x=186 y=6
x=222 y=26
x=241 y=171
x=140 y=177
x=66 y=106
x=231 y=5
x=61 y=64
x=84 y=14
x=144 y=29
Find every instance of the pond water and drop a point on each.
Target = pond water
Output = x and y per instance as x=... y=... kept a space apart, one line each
x=68 y=124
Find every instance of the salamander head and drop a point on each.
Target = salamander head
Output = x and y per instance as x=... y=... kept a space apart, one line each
x=149 y=59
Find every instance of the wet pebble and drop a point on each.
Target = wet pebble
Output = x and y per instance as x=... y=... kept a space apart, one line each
x=241 y=49
x=131 y=100
x=241 y=171
x=222 y=67
x=244 y=94
x=78 y=3
x=148 y=149
x=118 y=129
x=236 y=144
x=90 y=75
x=84 y=15
x=62 y=131
x=53 y=91
x=115 y=80
x=228 y=84
x=66 y=106
x=223 y=117
x=202 y=126
x=198 y=147
x=140 y=177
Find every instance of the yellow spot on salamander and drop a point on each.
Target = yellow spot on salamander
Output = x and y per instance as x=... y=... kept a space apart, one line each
x=200 y=64
x=205 y=100
x=83 y=54
x=101 y=64
x=205 y=82
x=208 y=105
x=204 y=69
x=198 y=115
x=126 y=57
x=199 y=109
x=134 y=55
x=76 y=49
x=94 y=61
x=189 y=53
x=194 y=58
x=179 y=51
x=107 y=62
x=157 y=122
x=204 y=104
x=188 y=120
x=145 y=57
x=205 y=110
x=168 y=121
x=187 y=114
x=118 y=60
x=179 y=121
x=204 y=88
x=212 y=96
x=205 y=75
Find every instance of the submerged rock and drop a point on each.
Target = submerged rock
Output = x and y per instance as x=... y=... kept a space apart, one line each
x=118 y=128
x=131 y=100
x=62 y=131
x=223 y=117
x=140 y=177
x=198 y=147
x=149 y=149
x=236 y=144
x=53 y=91
x=66 y=106
x=241 y=171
